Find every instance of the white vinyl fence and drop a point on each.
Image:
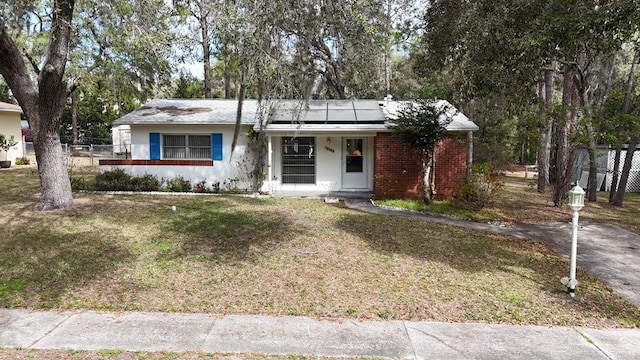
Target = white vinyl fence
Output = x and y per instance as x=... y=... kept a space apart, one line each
x=605 y=159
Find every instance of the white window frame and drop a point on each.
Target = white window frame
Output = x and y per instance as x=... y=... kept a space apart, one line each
x=187 y=148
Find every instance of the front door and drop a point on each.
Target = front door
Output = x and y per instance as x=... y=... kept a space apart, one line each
x=354 y=163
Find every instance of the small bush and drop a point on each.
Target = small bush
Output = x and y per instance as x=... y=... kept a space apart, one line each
x=215 y=187
x=179 y=184
x=145 y=182
x=113 y=180
x=476 y=191
x=78 y=183
x=23 y=161
x=232 y=186
x=201 y=187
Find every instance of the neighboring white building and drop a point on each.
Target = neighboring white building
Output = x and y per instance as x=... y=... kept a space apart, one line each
x=10 y=125
x=121 y=139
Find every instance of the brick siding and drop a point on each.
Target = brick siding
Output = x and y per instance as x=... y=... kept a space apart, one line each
x=451 y=165
x=398 y=167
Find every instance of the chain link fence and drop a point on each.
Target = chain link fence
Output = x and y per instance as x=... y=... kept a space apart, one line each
x=80 y=155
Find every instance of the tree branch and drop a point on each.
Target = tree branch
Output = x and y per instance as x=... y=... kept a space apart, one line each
x=32 y=61
x=51 y=79
x=14 y=71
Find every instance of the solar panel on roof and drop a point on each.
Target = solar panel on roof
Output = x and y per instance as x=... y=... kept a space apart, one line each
x=329 y=112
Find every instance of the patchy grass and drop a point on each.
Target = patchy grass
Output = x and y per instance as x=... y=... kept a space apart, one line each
x=33 y=354
x=413 y=205
x=242 y=255
x=440 y=207
x=518 y=201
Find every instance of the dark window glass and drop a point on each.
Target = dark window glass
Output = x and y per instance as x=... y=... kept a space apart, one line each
x=298 y=160
x=354 y=155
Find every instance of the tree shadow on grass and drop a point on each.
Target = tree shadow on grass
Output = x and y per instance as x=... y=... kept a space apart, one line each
x=40 y=266
x=523 y=267
x=229 y=229
x=466 y=250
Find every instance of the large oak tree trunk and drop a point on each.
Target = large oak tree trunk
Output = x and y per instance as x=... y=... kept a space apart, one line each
x=55 y=188
x=43 y=105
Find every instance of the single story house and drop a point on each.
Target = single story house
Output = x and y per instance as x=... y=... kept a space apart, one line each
x=10 y=125
x=314 y=147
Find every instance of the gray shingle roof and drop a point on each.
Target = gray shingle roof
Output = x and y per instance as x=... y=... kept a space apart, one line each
x=459 y=121
x=191 y=112
x=314 y=115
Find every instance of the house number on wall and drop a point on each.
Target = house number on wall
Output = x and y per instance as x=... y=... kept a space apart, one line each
x=329 y=149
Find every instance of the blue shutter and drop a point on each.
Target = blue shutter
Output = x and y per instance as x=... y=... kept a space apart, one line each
x=216 y=146
x=154 y=146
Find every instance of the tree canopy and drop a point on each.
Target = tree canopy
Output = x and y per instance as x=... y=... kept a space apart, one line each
x=422 y=123
x=504 y=63
x=47 y=47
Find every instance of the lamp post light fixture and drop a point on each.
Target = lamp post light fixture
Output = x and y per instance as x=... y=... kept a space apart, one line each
x=576 y=203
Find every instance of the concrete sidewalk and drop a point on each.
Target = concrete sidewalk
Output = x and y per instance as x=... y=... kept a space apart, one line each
x=297 y=335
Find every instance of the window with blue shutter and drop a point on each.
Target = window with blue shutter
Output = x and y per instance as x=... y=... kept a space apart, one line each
x=154 y=146
x=216 y=146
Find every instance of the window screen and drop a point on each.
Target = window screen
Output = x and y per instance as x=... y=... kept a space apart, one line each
x=298 y=160
x=186 y=146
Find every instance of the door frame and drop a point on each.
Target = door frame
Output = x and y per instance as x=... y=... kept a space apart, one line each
x=354 y=180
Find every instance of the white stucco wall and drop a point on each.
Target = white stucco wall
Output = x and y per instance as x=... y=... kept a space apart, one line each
x=10 y=125
x=329 y=165
x=230 y=167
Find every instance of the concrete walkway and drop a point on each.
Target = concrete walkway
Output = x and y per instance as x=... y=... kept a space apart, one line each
x=608 y=252
x=297 y=335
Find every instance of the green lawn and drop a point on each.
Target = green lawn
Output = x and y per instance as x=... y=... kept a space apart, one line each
x=242 y=255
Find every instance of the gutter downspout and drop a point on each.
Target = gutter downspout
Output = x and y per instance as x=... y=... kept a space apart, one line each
x=469 y=153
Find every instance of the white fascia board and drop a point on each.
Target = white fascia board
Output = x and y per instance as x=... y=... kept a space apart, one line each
x=324 y=129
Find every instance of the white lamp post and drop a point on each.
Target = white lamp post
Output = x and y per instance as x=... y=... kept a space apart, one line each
x=576 y=203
